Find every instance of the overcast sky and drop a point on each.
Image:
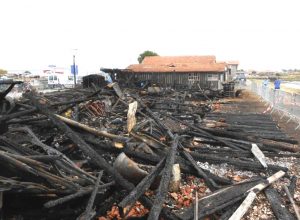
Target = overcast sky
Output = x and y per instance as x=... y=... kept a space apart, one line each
x=261 y=34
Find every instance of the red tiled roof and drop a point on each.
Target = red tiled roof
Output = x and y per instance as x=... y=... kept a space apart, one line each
x=178 y=59
x=178 y=64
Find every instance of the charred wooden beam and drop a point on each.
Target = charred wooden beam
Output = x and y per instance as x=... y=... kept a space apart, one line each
x=89 y=213
x=295 y=207
x=209 y=182
x=220 y=199
x=14 y=186
x=144 y=185
x=12 y=84
x=235 y=153
x=243 y=208
x=45 y=158
x=293 y=185
x=26 y=120
x=154 y=117
x=267 y=143
x=153 y=159
x=76 y=101
x=198 y=129
x=95 y=157
x=4 y=118
x=51 y=178
x=164 y=184
x=90 y=129
x=253 y=166
x=278 y=208
x=16 y=148
x=78 y=194
x=66 y=163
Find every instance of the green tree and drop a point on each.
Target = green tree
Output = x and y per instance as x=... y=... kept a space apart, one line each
x=146 y=53
x=3 y=72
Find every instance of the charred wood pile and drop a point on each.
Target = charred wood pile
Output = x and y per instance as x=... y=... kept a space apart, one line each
x=113 y=153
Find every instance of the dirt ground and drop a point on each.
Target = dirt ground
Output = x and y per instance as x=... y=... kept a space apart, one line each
x=253 y=103
x=250 y=103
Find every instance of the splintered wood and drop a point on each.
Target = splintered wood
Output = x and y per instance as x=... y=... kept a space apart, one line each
x=131 y=120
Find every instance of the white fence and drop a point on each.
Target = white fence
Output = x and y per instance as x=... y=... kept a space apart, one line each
x=287 y=104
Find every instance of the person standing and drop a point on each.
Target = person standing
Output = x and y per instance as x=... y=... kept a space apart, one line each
x=264 y=87
x=277 y=83
x=266 y=83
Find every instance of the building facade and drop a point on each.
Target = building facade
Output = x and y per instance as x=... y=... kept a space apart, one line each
x=180 y=71
x=232 y=69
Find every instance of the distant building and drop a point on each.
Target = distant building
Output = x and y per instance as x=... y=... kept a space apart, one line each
x=51 y=69
x=232 y=69
x=176 y=71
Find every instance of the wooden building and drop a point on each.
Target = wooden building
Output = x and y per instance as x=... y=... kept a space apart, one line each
x=178 y=71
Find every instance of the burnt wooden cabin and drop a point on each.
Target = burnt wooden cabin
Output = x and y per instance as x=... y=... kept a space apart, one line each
x=178 y=71
x=96 y=79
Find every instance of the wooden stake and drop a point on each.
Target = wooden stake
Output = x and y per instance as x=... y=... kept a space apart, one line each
x=196 y=207
x=243 y=208
x=90 y=129
x=131 y=120
x=259 y=155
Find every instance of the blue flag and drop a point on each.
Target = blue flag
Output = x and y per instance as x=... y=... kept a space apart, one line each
x=74 y=70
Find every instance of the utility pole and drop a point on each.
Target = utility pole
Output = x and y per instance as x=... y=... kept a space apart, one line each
x=74 y=70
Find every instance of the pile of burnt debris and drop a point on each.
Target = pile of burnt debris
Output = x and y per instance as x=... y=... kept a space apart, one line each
x=112 y=153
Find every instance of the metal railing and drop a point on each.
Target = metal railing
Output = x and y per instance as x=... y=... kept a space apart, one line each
x=287 y=104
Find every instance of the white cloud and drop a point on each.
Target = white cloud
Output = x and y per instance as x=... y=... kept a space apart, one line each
x=261 y=34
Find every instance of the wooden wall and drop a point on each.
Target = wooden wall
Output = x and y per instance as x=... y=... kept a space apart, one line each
x=173 y=79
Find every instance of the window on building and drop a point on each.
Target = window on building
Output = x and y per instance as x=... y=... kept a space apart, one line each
x=194 y=77
x=212 y=77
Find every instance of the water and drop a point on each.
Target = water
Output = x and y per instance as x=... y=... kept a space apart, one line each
x=292 y=84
